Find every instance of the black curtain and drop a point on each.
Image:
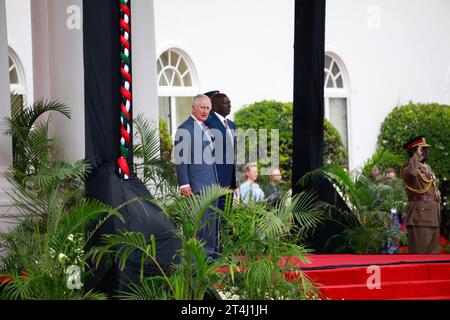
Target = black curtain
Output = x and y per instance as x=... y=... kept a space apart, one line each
x=102 y=80
x=309 y=52
x=308 y=117
x=102 y=120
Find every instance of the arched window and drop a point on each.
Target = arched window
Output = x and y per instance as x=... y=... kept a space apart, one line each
x=177 y=84
x=336 y=95
x=16 y=75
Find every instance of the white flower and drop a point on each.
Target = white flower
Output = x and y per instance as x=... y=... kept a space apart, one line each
x=70 y=237
x=62 y=257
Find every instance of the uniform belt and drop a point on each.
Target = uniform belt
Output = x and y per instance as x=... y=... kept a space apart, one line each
x=416 y=197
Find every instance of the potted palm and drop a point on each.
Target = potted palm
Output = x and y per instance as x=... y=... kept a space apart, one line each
x=371 y=203
x=47 y=238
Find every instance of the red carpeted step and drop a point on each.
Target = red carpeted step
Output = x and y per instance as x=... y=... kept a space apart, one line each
x=359 y=275
x=352 y=260
x=425 y=298
x=412 y=277
x=388 y=290
x=439 y=271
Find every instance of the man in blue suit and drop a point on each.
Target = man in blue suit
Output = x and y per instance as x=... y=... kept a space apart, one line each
x=195 y=165
x=225 y=141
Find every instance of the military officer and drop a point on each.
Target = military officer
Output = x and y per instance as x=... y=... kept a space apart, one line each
x=423 y=212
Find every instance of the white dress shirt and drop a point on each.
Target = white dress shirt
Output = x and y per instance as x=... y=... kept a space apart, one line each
x=227 y=127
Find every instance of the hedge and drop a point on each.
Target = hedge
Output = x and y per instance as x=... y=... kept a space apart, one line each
x=165 y=140
x=278 y=115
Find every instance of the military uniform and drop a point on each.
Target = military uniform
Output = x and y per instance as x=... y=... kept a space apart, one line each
x=423 y=212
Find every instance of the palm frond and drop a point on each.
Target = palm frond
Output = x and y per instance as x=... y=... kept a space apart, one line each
x=153 y=288
x=84 y=214
x=147 y=144
x=90 y=295
x=259 y=275
x=307 y=211
x=311 y=178
x=124 y=244
x=25 y=117
x=60 y=171
x=341 y=178
x=31 y=138
x=190 y=210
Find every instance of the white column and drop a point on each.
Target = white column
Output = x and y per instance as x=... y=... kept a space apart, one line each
x=59 y=70
x=173 y=115
x=145 y=90
x=5 y=107
x=18 y=18
x=41 y=49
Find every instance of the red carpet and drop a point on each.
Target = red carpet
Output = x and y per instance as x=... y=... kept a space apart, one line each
x=417 y=277
x=402 y=277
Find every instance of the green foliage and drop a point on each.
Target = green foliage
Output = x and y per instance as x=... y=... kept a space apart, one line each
x=31 y=141
x=256 y=239
x=165 y=140
x=370 y=202
x=194 y=276
x=333 y=148
x=153 y=165
x=278 y=115
x=263 y=237
x=432 y=120
x=48 y=233
x=384 y=159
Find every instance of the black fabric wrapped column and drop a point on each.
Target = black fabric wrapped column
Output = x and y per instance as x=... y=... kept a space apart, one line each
x=103 y=99
x=308 y=117
x=309 y=52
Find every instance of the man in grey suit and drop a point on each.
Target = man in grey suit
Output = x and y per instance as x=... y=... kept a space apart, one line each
x=196 y=167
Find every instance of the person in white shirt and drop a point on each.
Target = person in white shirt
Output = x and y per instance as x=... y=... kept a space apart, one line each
x=250 y=190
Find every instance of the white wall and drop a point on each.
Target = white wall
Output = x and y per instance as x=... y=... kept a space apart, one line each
x=145 y=91
x=245 y=48
x=59 y=58
x=394 y=51
x=5 y=142
x=19 y=39
x=59 y=71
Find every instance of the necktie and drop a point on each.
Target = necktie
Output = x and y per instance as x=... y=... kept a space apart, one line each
x=206 y=132
x=228 y=130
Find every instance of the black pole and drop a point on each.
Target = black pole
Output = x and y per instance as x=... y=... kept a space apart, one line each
x=308 y=117
x=102 y=62
x=309 y=53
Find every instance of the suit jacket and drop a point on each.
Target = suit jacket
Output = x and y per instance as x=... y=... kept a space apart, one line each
x=424 y=198
x=225 y=151
x=194 y=156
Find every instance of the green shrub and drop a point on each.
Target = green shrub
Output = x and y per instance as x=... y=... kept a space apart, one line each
x=278 y=115
x=165 y=140
x=333 y=148
x=432 y=120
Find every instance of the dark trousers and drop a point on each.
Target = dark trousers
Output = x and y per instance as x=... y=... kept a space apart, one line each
x=209 y=232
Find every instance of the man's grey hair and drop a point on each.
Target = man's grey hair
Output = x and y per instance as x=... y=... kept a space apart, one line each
x=198 y=98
